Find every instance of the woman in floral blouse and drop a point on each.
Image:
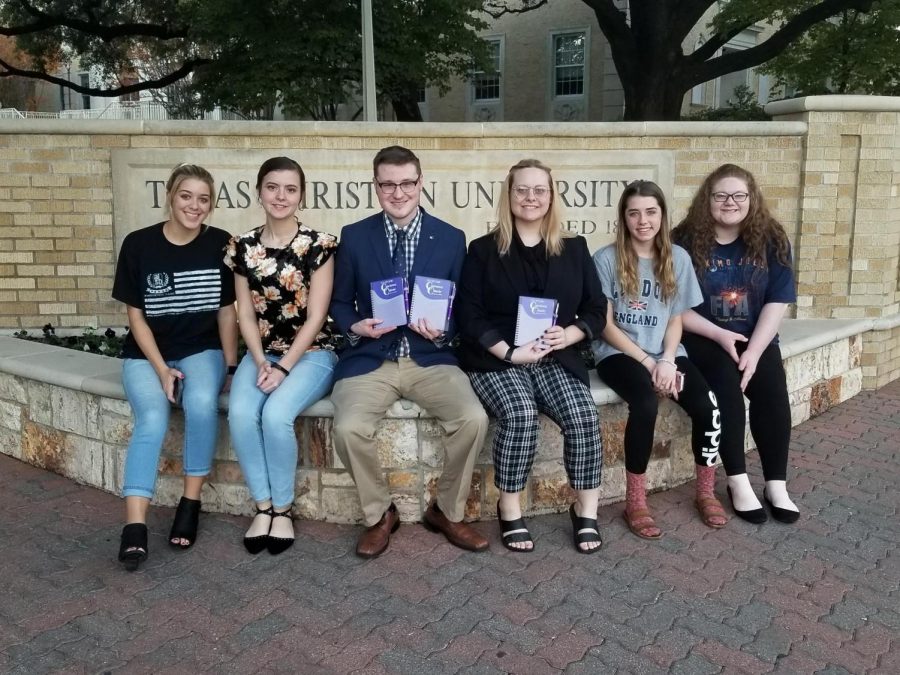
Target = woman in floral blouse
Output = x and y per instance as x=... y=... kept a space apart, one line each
x=283 y=277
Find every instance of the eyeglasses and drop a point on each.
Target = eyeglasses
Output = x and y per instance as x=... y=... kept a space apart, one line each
x=737 y=197
x=522 y=191
x=407 y=187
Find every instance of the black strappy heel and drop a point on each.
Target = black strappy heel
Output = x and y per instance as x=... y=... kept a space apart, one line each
x=133 y=547
x=258 y=543
x=278 y=545
x=184 y=526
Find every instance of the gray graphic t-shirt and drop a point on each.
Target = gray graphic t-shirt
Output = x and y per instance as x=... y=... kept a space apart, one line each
x=644 y=318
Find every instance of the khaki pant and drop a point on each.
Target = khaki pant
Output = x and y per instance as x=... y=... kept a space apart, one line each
x=444 y=391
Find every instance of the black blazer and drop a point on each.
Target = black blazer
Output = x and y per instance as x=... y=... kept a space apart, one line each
x=488 y=296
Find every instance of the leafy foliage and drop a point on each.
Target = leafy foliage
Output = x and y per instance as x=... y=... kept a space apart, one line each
x=304 y=55
x=742 y=107
x=854 y=53
x=108 y=343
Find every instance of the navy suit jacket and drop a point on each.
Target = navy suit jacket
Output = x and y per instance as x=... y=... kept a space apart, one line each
x=363 y=257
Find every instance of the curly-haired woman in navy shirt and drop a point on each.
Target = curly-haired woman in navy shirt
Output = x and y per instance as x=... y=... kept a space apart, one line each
x=742 y=258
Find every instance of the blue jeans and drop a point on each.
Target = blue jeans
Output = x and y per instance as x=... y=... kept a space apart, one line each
x=262 y=425
x=204 y=374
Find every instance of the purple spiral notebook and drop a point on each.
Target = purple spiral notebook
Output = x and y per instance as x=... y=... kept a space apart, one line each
x=535 y=315
x=432 y=299
x=389 y=301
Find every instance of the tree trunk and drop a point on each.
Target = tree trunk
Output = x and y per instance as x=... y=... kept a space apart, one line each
x=406 y=108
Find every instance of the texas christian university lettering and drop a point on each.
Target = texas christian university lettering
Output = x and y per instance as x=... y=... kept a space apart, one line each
x=323 y=195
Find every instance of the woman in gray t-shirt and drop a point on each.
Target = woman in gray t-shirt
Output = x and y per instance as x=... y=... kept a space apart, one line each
x=649 y=283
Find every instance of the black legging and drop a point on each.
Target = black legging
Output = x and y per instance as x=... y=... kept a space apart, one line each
x=770 y=410
x=630 y=380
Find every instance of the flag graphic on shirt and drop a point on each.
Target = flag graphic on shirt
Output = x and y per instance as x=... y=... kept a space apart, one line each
x=637 y=304
x=194 y=291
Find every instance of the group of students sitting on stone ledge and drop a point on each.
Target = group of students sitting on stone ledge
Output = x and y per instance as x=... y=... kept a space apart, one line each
x=644 y=304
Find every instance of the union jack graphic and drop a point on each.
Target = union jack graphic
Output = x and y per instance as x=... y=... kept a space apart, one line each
x=637 y=304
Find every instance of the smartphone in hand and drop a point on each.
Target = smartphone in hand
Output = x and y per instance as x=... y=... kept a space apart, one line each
x=679 y=381
x=177 y=390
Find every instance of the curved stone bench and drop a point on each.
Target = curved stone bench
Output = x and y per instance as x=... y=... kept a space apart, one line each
x=65 y=411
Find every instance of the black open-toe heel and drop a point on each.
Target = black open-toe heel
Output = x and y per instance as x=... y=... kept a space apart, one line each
x=133 y=547
x=514 y=532
x=584 y=531
x=258 y=543
x=184 y=526
x=278 y=545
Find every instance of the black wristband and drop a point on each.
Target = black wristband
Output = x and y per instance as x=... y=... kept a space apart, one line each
x=232 y=370
x=278 y=366
x=508 y=356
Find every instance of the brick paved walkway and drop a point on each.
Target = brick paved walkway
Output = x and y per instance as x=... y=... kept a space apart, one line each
x=820 y=596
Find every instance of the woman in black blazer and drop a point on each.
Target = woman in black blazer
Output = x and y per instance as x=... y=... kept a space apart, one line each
x=528 y=254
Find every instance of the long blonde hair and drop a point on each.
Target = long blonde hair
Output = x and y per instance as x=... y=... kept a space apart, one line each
x=759 y=230
x=627 y=258
x=551 y=228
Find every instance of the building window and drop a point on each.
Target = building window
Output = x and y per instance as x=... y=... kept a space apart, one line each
x=420 y=95
x=85 y=81
x=486 y=84
x=569 y=59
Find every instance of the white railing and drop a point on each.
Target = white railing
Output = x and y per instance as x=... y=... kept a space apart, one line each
x=126 y=110
x=137 y=110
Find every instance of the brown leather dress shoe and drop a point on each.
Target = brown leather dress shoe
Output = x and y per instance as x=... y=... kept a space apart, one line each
x=374 y=541
x=458 y=534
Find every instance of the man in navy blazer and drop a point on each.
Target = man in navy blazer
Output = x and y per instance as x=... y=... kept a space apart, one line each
x=384 y=363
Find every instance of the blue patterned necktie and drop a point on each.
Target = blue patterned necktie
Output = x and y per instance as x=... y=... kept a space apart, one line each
x=398 y=257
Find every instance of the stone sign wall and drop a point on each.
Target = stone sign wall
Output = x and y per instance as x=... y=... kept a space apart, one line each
x=460 y=187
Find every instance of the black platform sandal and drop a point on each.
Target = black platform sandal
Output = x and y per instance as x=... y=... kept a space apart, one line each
x=187 y=517
x=133 y=547
x=584 y=531
x=259 y=543
x=278 y=545
x=514 y=532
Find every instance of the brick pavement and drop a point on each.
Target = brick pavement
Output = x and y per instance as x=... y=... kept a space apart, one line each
x=820 y=596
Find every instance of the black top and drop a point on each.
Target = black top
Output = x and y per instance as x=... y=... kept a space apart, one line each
x=279 y=280
x=488 y=297
x=534 y=265
x=179 y=288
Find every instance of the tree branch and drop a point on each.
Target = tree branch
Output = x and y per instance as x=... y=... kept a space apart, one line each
x=497 y=8
x=186 y=69
x=44 y=21
x=705 y=68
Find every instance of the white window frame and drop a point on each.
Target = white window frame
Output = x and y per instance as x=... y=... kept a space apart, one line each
x=746 y=39
x=585 y=89
x=500 y=40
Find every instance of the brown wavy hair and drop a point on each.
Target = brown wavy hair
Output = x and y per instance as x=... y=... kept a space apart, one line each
x=184 y=172
x=552 y=232
x=760 y=230
x=627 y=258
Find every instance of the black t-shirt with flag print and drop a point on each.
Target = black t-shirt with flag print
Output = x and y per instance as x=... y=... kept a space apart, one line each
x=179 y=288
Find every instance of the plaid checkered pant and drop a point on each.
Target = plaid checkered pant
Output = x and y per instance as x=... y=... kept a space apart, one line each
x=515 y=396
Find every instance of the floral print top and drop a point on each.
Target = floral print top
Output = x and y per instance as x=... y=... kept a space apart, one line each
x=279 y=282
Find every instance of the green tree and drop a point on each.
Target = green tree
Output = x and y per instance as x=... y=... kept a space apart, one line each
x=854 y=53
x=301 y=54
x=647 y=41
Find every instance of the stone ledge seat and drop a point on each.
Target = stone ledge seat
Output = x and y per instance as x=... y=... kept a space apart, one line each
x=101 y=375
x=64 y=410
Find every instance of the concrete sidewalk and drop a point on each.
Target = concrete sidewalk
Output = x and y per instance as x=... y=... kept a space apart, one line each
x=822 y=595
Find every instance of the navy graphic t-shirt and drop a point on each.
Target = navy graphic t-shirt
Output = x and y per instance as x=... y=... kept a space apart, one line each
x=179 y=288
x=735 y=288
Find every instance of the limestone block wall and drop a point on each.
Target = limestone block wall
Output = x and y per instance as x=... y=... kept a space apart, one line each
x=64 y=411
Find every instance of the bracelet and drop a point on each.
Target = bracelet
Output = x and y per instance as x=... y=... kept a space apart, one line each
x=232 y=370
x=278 y=366
x=508 y=356
x=671 y=363
x=641 y=362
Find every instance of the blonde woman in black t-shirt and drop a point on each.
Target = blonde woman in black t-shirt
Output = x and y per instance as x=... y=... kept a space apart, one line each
x=180 y=302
